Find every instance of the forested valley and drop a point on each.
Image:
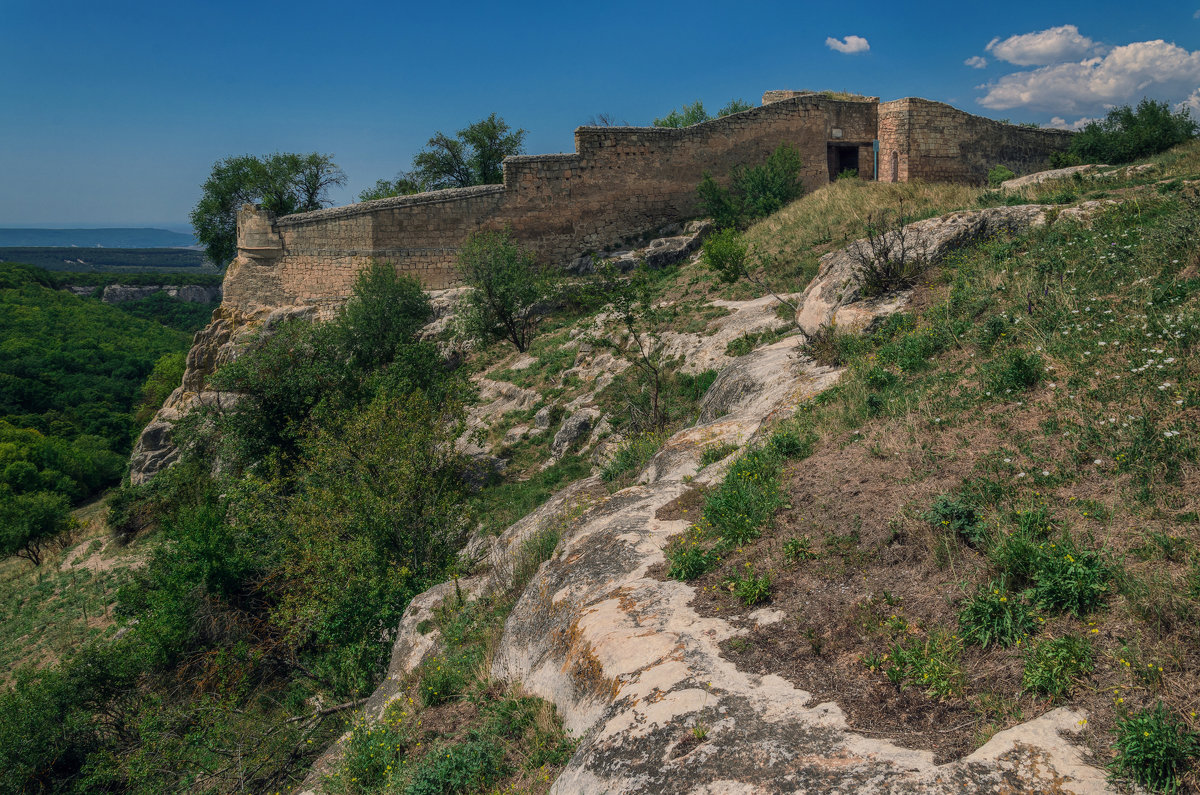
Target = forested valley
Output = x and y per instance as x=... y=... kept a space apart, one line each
x=284 y=545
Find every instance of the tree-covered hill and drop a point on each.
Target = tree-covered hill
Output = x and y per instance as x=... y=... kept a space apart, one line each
x=71 y=372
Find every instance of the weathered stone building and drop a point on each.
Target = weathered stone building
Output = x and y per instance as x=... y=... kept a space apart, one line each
x=619 y=183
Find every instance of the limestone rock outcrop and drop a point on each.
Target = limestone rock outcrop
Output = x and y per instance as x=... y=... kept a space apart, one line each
x=838 y=284
x=221 y=341
x=1054 y=173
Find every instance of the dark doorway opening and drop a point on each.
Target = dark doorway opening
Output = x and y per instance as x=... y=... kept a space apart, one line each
x=842 y=158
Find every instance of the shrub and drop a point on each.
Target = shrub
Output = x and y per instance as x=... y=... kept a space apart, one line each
x=1127 y=134
x=688 y=558
x=887 y=258
x=994 y=615
x=999 y=174
x=747 y=499
x=29 y=521
x=725 y=254
x=931 y=664
x=826 y=346
x=372 y=752
x=798 y=549
x=959 y=516
x=754 y=192
x=751 y=588
x=791 y=444
x=692 y=114
x=1154 y=747
x=471 y=766
x=1052 y=666
x=443 y=679
x=1059 y=574
x=772 y=185
x=1064 y=159
x=1069 y=579
x=508 y=287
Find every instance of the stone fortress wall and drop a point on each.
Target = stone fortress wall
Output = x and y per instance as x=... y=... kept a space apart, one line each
x=619 y=183
x=932 y=141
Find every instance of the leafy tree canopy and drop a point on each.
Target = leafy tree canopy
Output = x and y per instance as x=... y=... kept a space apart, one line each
x=507 y=286
x=1127 y=134
x=283 y=183
x=754 y=192
x=695 y=113
x=403 y=185
x=472 y=157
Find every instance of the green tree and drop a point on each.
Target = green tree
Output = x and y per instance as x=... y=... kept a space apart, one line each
x=283 y=183
x=300 y=369
x=164 y=379
x=695 y=113
x=691 y=114
x=1127 y=133
x=754 y=192
x=403 y=185
x=385 y=491
x=734 y=106
x=642 y=324
x=384 y=313
x=29 y=521
x=508 y=285
x=474 y=156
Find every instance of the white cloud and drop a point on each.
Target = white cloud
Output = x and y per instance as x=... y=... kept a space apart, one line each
x=1197 y=14
x=1059 y=123
x=1043 y=47
x=850 y=45
x=1192 y=103
x=1125 y=74
x=976 y=62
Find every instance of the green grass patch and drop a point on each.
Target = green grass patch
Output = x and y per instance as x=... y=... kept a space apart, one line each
x=1053 y=666
x=1154 y=748
x=996 y=616
x=931 y=663
x=631 y=456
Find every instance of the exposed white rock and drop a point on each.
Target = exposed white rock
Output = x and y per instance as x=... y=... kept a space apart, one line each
x=838 y=283
x=1054 y=173
x=632 y=667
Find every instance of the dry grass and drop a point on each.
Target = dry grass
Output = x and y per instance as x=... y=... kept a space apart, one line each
x=48 y=611
x=794 y=238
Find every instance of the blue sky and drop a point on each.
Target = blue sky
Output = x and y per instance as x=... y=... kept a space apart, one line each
x=113 y=113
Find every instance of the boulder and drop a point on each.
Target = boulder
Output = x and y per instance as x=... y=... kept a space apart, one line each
x=1054 y=173
x=838 y=282
x=574 y=428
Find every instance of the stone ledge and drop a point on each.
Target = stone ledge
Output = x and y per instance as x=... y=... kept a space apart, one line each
x=362 y=208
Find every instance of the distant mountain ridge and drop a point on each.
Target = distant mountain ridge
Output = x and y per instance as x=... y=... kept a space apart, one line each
x=125 y=237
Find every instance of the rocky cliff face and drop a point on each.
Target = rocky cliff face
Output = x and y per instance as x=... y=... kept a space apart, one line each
x=214 y=345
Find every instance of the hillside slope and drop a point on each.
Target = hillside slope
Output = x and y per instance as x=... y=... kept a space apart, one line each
x=968 y=561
